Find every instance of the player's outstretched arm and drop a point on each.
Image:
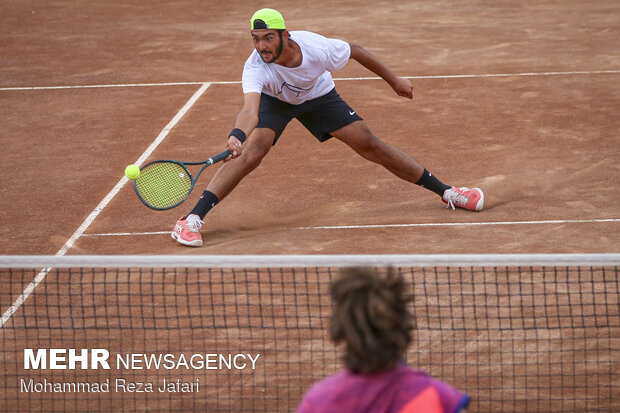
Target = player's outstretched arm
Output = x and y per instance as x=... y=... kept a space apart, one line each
x=246 y=121
x=400 y=85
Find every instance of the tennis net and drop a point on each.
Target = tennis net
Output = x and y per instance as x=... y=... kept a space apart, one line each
x=533 y=333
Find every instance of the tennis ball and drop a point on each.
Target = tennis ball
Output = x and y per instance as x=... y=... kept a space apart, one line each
x=132 y=172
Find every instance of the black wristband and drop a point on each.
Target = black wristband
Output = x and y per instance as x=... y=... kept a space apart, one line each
x=239 y=134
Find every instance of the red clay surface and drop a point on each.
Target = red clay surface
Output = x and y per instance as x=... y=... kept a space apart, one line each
x=543 y=147
x=539 y=135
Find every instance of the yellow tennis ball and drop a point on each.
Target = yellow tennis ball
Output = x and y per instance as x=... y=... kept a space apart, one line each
x=132 y=172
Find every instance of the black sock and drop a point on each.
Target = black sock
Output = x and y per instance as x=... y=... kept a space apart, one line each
x=207 y=201
x=430 y=182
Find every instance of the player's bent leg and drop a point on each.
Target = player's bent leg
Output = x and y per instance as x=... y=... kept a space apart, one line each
x=358 y=136
x=232 y=172
x=187 y=229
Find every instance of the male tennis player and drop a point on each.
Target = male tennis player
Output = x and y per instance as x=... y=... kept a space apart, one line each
x=289 y=76
x=370 y=317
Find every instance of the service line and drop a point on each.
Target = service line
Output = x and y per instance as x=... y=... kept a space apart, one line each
x=387 y=226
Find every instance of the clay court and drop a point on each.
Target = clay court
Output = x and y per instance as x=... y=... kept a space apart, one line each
x=518 y=98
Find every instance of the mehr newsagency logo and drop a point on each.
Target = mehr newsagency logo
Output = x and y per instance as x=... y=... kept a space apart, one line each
x=101 y=359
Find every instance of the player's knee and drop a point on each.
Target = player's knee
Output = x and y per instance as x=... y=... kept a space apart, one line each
x=371 y=148
x=253 y=156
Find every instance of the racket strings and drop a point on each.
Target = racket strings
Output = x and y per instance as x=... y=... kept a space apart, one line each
x=163 y=185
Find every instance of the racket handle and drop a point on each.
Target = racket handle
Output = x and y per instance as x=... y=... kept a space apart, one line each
x=219 y=157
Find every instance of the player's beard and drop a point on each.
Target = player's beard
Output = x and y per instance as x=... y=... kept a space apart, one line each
x=278 y=52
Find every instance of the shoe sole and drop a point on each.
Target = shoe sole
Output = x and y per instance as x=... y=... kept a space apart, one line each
x=480 y=203
x=195 y=243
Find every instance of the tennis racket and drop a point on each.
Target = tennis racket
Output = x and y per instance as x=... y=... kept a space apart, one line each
x=165 y=184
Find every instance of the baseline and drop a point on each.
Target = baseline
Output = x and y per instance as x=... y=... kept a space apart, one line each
x=235 y=82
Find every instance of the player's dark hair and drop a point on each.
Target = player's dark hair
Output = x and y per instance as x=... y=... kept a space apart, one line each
x=370 y=316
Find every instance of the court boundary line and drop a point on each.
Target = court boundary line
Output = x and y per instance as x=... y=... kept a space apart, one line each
x=380 y=226
x=467 y=224
x=38 y=279
x=235 y=82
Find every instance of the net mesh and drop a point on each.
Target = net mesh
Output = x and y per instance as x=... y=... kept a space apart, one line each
x=515 y=338
x=163 y=185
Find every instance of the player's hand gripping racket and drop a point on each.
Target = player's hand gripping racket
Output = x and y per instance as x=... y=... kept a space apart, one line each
x=165 y=184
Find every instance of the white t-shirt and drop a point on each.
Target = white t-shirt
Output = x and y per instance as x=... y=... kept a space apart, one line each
x=295 y=85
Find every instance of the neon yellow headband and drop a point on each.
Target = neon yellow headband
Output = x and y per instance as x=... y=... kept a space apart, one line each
x=267 y=19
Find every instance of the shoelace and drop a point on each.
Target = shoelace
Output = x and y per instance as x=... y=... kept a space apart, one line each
x=459 y=198
x=194 y=224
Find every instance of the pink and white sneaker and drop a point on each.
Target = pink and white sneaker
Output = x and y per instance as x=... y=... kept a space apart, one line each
x=471 y=199
x=187 y=231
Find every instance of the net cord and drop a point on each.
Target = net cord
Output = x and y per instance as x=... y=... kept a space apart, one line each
x=295 y=261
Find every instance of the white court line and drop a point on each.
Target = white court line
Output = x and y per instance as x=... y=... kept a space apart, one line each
x=126 y=234
x=89 y=220
x=525 y=74
x=235 y=82
x=102 y=86
x=466 y=224
x=379 y=226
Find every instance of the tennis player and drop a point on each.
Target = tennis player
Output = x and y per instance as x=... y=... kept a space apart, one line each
x=370 y=317
x=287 y=76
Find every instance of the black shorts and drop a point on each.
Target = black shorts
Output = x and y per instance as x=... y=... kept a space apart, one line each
x=320 y=116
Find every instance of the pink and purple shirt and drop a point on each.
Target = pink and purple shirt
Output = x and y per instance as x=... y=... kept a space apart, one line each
x=401 y=390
